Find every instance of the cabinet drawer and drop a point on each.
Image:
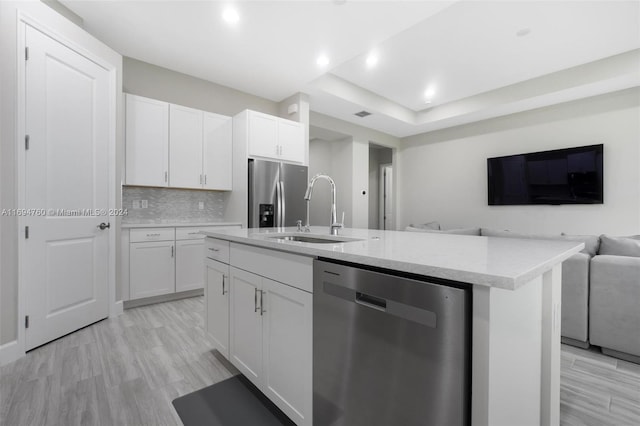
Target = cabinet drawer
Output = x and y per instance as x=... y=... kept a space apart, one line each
x=216 y=249
x=138 y=235
x=287 y=268
x=189 y=233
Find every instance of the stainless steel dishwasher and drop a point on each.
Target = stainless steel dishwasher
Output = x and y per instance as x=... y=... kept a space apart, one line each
x=389 y=350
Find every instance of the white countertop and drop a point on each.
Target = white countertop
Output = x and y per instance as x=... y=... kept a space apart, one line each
x=506 y=263
x=177 y=224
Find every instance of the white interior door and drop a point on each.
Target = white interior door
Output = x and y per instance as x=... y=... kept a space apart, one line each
x=66 y=255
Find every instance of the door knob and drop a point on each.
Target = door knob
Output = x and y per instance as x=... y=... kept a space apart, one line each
x=104 y=226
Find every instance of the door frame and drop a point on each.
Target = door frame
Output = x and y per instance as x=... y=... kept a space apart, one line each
x=382 y=194
x=82 y=43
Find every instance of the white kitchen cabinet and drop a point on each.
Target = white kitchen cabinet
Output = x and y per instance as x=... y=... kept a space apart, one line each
x=147 y=141
x=273 y=137
x=152 y=268
x=217 y=152
x=263 y=135
x=217 y=306
x=185 y=147
x=176 y=269
x=287 y=349
x=291 y=140
x=189 y=263
x=176 y=146
x=271 y=329
x=245 y=333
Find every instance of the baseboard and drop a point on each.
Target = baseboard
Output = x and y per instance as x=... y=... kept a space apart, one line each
x=621 y=355
x=10 y=352
x=116 y=309
x=574 y=342
x=164 y=298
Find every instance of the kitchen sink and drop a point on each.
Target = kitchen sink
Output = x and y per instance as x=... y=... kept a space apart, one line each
x=313 y=239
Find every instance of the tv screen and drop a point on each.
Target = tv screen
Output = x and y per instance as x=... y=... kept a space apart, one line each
x=561 y=176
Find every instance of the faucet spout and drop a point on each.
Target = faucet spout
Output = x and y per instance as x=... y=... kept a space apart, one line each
x=334 y=225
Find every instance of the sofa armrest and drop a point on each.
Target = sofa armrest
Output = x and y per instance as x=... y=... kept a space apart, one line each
x=614 y=307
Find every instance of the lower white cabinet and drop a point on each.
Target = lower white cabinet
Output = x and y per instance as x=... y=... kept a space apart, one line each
x=189 y=264
x=271 y=340
x=152 y=268
x=163 y=260
x=217 y=307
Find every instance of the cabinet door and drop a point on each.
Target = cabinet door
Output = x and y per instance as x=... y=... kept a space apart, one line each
x=217 y=157
x=147 y=141
x=291 y=140
x=217 y=311
x=287 y=349
x=152 y=269
x=189 y=264
x=185 y=147
x=246 y=324
x=263 y=135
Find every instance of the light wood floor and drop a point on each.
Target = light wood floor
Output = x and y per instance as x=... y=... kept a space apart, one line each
x=127 y=370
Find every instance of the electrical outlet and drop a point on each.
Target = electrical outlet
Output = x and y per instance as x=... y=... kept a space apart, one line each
x=201 y=205
x=145 y=204
x=136 y=204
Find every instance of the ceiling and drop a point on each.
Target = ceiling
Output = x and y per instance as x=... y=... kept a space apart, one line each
x=466 y=52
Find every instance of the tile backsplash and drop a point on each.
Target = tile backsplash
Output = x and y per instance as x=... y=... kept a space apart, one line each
x=165 y=205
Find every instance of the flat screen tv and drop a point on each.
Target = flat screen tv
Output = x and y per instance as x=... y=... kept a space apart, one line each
x=561 y=176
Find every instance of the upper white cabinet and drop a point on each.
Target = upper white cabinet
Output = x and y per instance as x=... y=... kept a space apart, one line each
x=291 y=140
x=273 y=137
x=217 y=155
x=147 y=141
x=185 y=147
x=176 y=146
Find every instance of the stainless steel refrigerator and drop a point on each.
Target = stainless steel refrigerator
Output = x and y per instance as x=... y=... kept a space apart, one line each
x=276 y=194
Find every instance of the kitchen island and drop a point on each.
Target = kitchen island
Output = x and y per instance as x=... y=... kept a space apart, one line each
x=515 y=284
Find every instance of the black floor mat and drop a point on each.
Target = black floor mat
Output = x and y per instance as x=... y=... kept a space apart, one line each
x=232 y=402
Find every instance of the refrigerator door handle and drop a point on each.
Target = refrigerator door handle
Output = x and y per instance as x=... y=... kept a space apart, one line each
x=284 y=209
x=278 y=205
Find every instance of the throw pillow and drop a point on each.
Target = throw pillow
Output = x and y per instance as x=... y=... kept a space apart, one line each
x=428 y=225
x=620 y=246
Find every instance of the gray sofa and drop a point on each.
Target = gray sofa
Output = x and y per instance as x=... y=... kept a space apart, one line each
x=614 y=307
x=600 y=289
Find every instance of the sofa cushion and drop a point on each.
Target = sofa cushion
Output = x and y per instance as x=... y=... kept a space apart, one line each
x=428 y=225
x=458 y=231
x=591 y=242
x=620 y=246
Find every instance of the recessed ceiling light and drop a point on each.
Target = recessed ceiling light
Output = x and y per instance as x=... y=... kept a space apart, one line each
x=372 y=60
x=428 y=94
x=523 y=32
x=230 y=15
x=323 y=60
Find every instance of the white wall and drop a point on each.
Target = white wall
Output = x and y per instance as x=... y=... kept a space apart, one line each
x=335 y=159
x=141 y=78
x=443 y=174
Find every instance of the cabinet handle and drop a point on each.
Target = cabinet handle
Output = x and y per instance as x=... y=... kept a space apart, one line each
x=214 y=249
x=200 y=179
x=255 y=300
x=262 y=310
x=153 y=235
x=205 y=179
x=172 y=251
x=166 y=176
x=223 y=292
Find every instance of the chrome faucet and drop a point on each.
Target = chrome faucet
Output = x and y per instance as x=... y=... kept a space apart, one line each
x=333 y=225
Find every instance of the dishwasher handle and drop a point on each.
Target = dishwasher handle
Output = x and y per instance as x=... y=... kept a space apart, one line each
x=371 y=301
